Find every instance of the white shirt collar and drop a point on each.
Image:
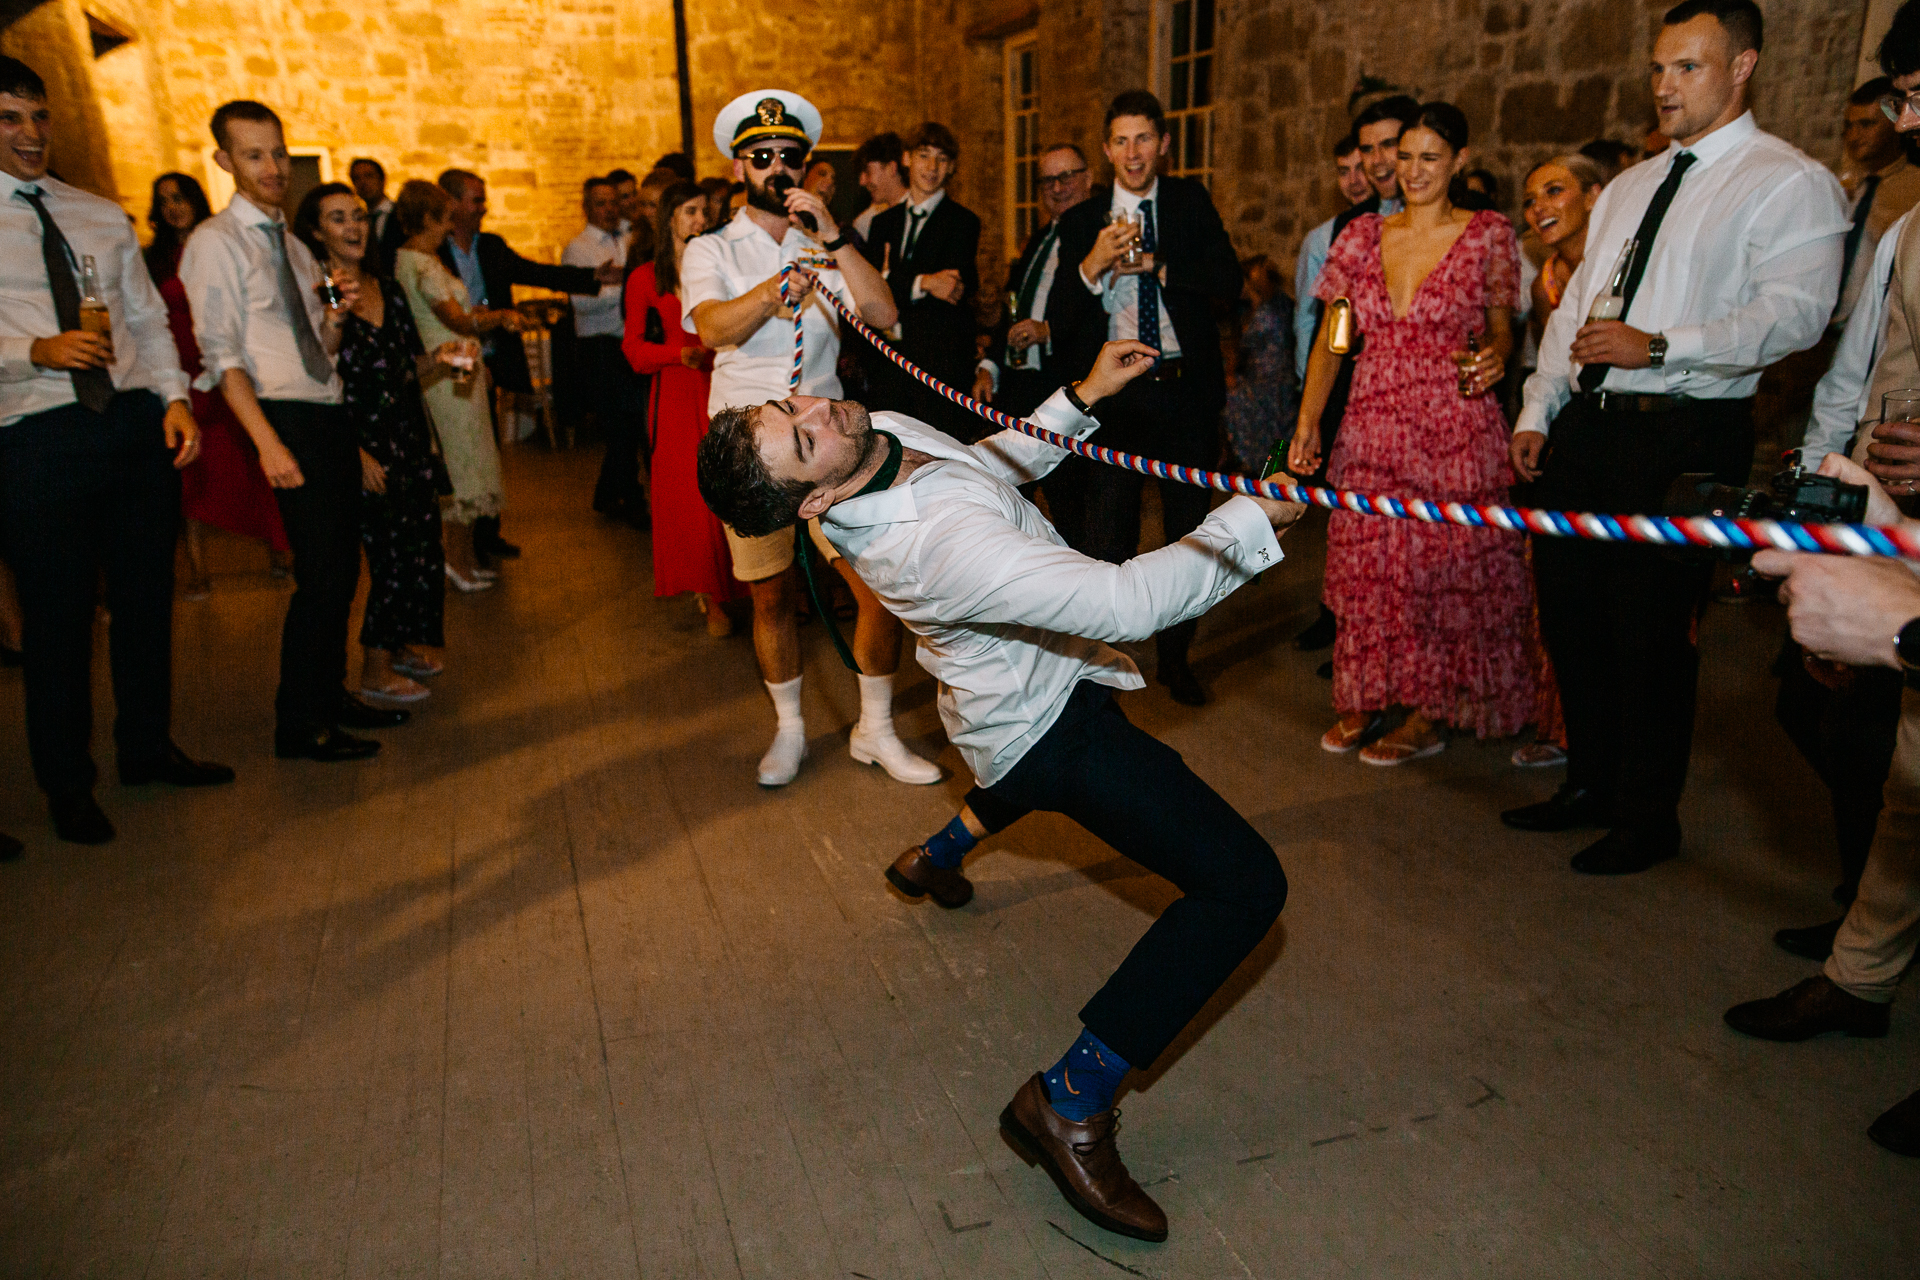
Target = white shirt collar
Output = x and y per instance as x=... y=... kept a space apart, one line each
x=10 y=184
x=741 y=227
x=931 y=203
x=1714 y=145
x=252 y=214
x=1125 y=199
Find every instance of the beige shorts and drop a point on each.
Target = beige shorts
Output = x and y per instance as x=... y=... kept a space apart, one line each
x=755 y=559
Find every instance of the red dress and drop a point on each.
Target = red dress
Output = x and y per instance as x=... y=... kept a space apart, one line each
x=689 y=545
x=224 y=486
x=1432 y=617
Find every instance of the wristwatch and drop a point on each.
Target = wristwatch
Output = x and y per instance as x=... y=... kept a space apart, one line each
x=1657 y=350
x=1906 y=647
x=836 y=244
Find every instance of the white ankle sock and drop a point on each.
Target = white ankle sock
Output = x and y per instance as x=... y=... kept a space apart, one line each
x=876 y=703
x=786 y=705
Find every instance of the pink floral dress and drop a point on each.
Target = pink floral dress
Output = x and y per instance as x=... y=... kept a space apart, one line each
x=1432 y=617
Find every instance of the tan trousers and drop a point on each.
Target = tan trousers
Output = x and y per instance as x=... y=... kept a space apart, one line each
x=1882 y=928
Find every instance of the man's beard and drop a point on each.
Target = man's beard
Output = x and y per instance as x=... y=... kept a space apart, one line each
x=759 y=197
x=858 y=428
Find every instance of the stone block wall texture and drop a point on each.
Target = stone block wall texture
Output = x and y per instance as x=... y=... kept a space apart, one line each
x=536 y=95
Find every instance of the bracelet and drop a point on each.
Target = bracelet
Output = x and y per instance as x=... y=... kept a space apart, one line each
x=1073 y=398
x=837 y=243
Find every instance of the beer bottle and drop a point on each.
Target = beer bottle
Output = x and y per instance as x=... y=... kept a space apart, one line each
x=1612 y=305
x=94 y=317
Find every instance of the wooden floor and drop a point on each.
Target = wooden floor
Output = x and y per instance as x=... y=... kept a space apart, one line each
x=552 y=988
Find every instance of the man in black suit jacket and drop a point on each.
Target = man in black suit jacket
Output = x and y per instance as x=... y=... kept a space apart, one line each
x=1020 y=369
x=1186 y=267
x=927 y=247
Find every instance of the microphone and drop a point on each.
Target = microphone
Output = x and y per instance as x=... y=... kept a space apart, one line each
x=780 y=184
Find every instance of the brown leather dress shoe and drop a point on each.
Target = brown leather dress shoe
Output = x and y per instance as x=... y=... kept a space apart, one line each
x=1083 y=1161
x=1812 y=1008
x=916 y=875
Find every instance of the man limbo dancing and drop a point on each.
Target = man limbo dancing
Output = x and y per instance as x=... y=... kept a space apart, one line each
x=1017 y=627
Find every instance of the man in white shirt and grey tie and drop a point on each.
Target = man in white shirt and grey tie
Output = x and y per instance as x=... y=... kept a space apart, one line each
x=1738 y=264
x=1018 y=629
x=92 y=428
x=268 y=338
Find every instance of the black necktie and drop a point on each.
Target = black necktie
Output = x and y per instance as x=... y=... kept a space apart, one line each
x=92 y=387
x=1591 y=376
x=1858 y=231
x=914 y=218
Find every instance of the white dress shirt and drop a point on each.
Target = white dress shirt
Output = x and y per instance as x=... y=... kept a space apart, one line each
x=1120 y=294
x=1843 y=400
x=727 y=264
x=1010 y=618
x=925 y=209
x=377 y=219
x=144 y=357
x=1745 y=270
x=231 y=271
x=596 y=315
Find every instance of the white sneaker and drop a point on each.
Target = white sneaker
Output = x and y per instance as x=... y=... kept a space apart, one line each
x=884 y=748
x=782 y=761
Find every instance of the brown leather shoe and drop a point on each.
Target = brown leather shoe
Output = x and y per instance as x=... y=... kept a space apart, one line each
x=915 y=874
x=1083 y=1162
x=1812 y=1008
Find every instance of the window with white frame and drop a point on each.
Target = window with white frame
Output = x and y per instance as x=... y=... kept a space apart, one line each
x=1023 y=144
x=1189 y=29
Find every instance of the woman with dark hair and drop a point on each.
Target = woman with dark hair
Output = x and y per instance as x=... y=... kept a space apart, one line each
x=689 y=545
x=1433 y=618
x=223 y=487
x=380 y=361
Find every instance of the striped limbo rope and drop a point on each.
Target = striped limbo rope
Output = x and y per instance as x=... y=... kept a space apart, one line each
x=1671 y=531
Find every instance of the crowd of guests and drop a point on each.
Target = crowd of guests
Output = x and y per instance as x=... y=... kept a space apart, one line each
x=324 y=384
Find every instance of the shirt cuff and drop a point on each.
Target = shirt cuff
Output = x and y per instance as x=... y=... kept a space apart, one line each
x=16 y=360
x=1097 y=288
x=993 y=371
x=1256 y=545
x=172 y=385
x=1532 y=418
x=1684 y=347
x=919 y=290
x=1057 y=416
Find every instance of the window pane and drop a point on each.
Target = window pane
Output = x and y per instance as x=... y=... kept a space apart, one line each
x=1203 y=80
x=1026 y=73
x=1177 y=100
x=1020 y=188
x=1203 y=26
x=1182 y=18
x=1020 y=134
x=1193 y=151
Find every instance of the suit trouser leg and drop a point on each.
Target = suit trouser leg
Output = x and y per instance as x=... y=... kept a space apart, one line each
x=322 y=519
x=1878 y=939
x=139 y=577
x=63 y=516
x=1134 y=792
x=622 y=414
x=1848 y=736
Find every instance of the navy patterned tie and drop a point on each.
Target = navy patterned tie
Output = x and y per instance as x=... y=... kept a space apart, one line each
x=1149 y=296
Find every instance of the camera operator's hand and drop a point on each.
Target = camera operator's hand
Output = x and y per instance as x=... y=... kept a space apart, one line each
x=1894 y=456
x=1524 y=451
x=1880 y=504
x=1845 y=608
x=1119 y=363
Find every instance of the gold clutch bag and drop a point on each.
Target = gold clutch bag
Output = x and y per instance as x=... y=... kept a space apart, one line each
x=1340 y=326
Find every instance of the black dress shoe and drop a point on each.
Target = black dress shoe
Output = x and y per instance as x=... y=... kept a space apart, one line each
x=1812 y=1008
x=355 y=714
x=1319 y=633
x=1899 y=1129
x=177 y=768
x=1181 y=683
x=1815 y=942
x=11 y=850
x=78 y=820
x=1568 y=808
x=1624 y=851
x=325 y=744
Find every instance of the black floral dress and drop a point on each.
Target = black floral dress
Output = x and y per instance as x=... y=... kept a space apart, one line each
x=406 y=600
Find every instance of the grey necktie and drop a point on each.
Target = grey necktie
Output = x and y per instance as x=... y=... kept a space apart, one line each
x=313 y=356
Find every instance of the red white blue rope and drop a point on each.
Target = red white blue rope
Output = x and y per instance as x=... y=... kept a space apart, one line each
x=1669 y=531
x=799 y=320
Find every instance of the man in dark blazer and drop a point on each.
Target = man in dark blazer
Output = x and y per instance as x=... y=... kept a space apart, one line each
x=480 y=256
x=1018 y=370
x=927 y=247
x=1165 y=294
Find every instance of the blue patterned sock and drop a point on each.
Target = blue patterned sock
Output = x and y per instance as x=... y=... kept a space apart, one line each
x=1085 y=1079
x=951 y=844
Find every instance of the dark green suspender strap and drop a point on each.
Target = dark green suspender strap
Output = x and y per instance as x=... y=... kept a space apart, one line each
x=803 y=549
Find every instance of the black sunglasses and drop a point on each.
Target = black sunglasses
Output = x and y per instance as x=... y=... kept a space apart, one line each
x=763 y=157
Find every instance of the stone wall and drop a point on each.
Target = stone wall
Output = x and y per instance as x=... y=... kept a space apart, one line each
x=536 y=97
